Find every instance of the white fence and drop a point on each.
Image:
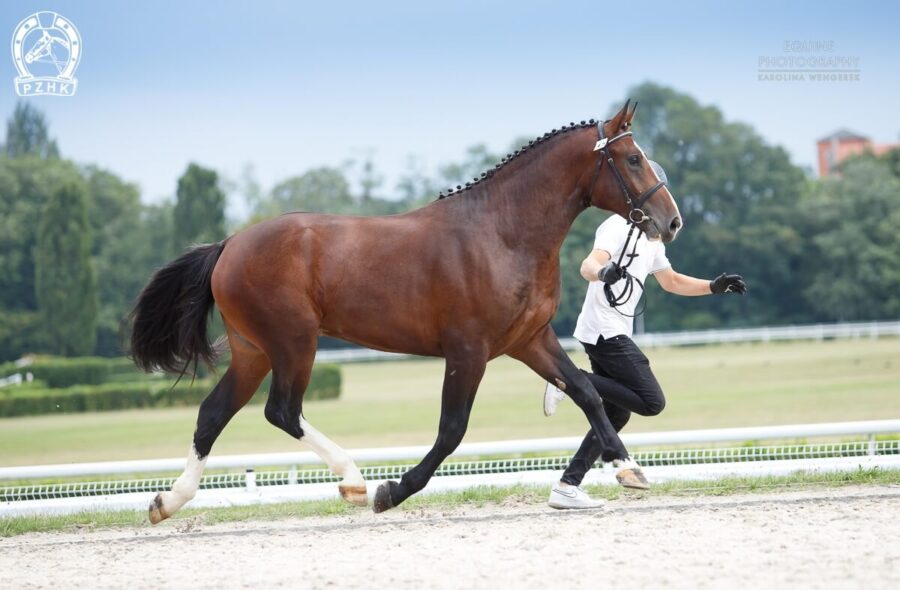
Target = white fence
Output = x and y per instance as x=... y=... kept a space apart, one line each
x=274 y=486
x=764 y=334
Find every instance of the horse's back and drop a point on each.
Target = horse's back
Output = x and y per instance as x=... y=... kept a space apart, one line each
x=402 y=283
x=365 y=279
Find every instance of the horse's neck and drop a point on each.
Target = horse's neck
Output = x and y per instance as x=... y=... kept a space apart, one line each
x=533 y=207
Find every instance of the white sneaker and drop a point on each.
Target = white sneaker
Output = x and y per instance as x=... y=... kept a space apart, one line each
x=572 y=498
x=552 y=396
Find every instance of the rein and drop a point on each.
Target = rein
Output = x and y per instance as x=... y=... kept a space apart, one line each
x=622 y=298
x=636 y=208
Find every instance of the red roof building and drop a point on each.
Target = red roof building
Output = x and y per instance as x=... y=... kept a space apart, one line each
x=840 y=145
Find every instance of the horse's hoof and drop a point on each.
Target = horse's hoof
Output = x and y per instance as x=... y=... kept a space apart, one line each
x=633 y=478
x=157 y=512
x=383 y=499
x=356 y=495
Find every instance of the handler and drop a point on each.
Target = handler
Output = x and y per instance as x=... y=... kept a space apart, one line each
x=621 y=372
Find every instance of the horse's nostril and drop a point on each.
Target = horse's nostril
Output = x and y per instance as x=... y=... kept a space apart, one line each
x=676 y=223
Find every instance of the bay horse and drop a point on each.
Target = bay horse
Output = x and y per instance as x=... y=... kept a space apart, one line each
x=468 y=278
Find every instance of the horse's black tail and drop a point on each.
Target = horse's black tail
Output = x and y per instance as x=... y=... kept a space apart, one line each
x=169 y=316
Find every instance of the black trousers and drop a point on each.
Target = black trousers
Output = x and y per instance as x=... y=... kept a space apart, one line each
x=622 y=377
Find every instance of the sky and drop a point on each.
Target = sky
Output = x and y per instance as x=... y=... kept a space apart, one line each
x=286 y=86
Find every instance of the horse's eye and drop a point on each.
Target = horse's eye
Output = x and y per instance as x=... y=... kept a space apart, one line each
x=634 y=160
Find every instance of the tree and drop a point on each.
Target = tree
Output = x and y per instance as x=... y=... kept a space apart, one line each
x=65 y=287
x=26 y=185
x=366 y=176
x=478 y=159
x=414 y=186
x=199 y=208
x=320 y=190
x=855 y=219
x=129 y=240
x=27 y=134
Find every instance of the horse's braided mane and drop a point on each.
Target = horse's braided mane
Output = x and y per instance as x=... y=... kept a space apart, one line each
x=510 y=157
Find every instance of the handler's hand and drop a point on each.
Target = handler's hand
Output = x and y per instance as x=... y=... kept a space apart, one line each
x=611 y=273
x=728 y=284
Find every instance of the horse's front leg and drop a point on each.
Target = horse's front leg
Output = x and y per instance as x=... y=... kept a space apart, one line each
x=462 y=374
x=545 y=356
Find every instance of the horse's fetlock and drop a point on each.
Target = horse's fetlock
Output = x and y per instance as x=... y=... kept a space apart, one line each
x=184 y=490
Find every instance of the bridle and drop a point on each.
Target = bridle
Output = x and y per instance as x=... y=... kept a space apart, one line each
x=636 y=209
x=636 y=204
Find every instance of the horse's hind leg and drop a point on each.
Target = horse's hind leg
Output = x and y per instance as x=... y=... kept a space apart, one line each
x=248 y=368
x=284 y=409
x=353 y=486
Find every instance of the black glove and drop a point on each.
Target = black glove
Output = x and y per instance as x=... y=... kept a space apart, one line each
x=611 y=273
x=728 y=284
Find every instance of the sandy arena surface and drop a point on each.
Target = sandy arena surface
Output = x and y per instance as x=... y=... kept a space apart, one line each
x=819 y=538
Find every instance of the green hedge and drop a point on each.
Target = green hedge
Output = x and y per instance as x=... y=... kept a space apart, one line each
x=80 y=398
x=325 y=383
x=64 y=372
x=86 y=370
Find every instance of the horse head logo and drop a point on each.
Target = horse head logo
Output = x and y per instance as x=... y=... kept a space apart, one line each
x=46 y=49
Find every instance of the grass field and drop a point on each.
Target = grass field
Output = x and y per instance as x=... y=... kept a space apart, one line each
x=398 y=403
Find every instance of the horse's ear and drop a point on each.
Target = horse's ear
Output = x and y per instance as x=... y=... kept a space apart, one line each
x=620 y=121
x=630 y=116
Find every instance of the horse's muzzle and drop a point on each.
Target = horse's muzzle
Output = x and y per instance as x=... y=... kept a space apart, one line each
x=668 y=231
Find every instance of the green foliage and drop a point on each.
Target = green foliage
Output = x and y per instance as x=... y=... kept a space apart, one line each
x=27 y=134
x=320 y=190
x=327 y=190
x=65 y=287
x=476 y=160
x=199 y=214
x=80 y=398
x=95 y=394
x=128 y=241
x=136 y=242
x=855 y=220
x=26 y=185
x=65 y=372
x=20 y=331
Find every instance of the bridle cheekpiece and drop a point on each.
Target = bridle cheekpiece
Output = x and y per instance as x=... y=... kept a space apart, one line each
x=636 y=204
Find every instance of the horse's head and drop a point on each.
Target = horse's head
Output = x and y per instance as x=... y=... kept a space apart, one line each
x=626 y=182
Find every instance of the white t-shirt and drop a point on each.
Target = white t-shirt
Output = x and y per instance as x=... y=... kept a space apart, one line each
x=597 y=318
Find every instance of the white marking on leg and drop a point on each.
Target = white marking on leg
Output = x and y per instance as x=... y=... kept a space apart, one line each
x=334 y=456
x=185 y=487
x=626 y=463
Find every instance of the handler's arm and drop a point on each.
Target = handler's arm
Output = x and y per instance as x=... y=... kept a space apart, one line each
x=680 y=284
x=591 y=266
